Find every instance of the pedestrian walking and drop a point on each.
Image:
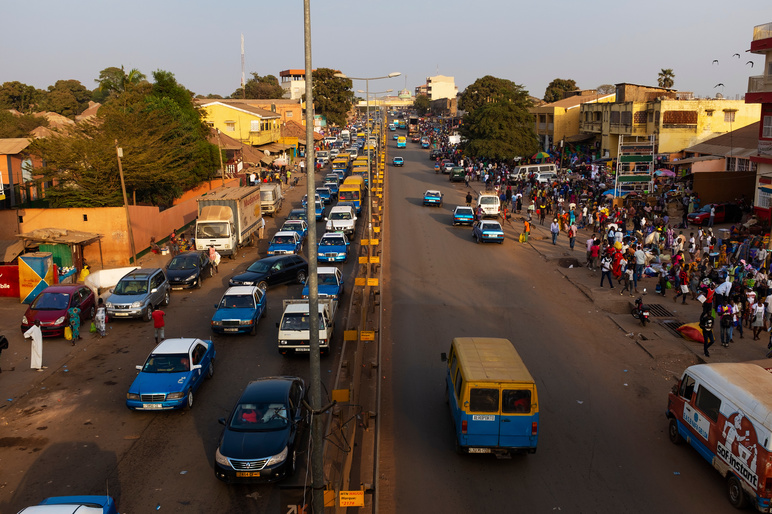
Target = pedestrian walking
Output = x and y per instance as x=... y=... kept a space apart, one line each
x=100 y=318
x=757 y=311
x=526 y=230
x=554 y=230
x=469 y=199
x=605 y=270
x=214 y=258
x=683 y=285
x=3 y=346
x=706 y=324
x=626 y=279
x=726 y=323
x=74 y=314
x=158 y=324
x=36 y=346
x=571 y=236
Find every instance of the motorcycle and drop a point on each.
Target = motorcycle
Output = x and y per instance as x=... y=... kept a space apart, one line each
x=436 y=168
x=640 y=312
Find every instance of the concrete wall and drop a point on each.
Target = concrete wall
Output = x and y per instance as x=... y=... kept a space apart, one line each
x=724 y=186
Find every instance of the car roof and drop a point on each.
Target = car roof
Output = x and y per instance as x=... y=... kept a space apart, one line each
x=141 y=273
x=432 y=191
x=289 y=233
x=341 y=208
x=63 y=288
x=294 y=222
x=495 y=223
x=267 y=389
x=275 y=258
x=240 y=290
x=176 y=345
x=191 y=252
x=463 y=208
x=326 y=270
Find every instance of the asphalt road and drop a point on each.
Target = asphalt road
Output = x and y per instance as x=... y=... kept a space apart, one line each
x=72 y=434
x=603 y=443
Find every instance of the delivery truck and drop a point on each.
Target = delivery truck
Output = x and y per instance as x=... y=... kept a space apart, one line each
x=228 y=219
x=294 y=326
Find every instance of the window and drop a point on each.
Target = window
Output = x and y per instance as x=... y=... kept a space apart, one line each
x=708 y=403
x=453 y=365
x=687 y=387
x=198 y=353
x=230 y=126
x=515 y=401
x=254 y=126
x=708 y=113
x=767 y=131
x=459 y=382
x=289 y=114
x=483 y=400
x=729 y=116
x=764 y=200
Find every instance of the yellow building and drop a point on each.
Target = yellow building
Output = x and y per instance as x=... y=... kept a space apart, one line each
x=677 y=119
x=560 y=120
x=242 y=121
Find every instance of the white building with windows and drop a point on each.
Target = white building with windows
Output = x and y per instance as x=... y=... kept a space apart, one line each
x=293 y=82
x=440 y=86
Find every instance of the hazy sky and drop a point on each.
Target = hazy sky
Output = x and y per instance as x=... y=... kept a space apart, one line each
x=530 y=43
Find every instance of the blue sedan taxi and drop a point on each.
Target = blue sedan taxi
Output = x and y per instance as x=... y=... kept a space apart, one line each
x=319 y=210
x=488 y=231
x=333 y=247
x=325 y=194
x=285 y=242
x=398 y=161
x=239 y=310
x=171 y=374
x=86 y=504
x=463 y=215
x=330 y=283
x=299 y=226
x=304 y=201
x=332 y=185
x=433 y=197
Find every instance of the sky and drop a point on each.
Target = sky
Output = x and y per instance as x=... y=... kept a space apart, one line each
x=529 y=43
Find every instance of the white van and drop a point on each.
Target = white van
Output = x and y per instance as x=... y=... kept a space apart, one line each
x=523 y=172
x=490 y=204
x=546 y=177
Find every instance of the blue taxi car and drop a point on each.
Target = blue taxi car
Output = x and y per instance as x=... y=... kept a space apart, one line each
x=332 y=185
x=463 y=215
x=173 y=371
x=488 y=231
x=285 y=242
x=330 y=283
x=319 y=210
x=299 y=226
x=325 y=194
x=239 y=310
x=333 y=247
x=433 y=197
x=304 y=201
x=398 y=161
x=74 y=504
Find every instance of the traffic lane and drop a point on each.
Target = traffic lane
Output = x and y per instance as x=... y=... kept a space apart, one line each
x=590 y=424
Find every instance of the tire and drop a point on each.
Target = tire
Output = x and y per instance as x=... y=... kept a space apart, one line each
x=735 y=493
x=263 y=285
x=210 y=369
x=301 y=276
x=672 y=432
x=167 y=298
x=148 y=315
x=634 y=312
x=189 y=400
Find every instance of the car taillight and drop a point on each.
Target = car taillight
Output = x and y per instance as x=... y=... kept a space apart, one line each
x=534 y=427
x=463 y=426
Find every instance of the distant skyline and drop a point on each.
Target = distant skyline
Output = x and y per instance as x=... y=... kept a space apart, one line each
x=602 y=42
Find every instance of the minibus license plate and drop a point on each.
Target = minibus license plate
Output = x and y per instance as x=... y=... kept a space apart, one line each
x=479 y=450
x=247 y=474
x=483 y=417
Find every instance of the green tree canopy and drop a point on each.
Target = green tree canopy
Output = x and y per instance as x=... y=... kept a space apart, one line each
x=490 y=89
x=332 y=96
x=557 y=87
x=665 y=78
x=114 y=81
x=67 y=97
x=23 y=98
x=499 y=130
x=19 y=126
x=422 y=104
x=260 y=87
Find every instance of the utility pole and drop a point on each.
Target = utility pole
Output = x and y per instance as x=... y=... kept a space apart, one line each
x=119 y=153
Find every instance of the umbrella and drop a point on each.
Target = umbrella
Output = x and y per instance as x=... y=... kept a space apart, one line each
x=541 y=155
x=664 y=173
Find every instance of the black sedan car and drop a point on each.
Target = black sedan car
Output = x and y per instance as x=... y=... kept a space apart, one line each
x=278 y=269
x=259 y=442
x=188 y=269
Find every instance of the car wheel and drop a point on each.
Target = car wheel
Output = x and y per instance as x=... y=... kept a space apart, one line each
x=167 y=298
x=189 y=400
x=148 y=315
x=672 y=432
x=736 y=493
x=253 y=330
x=263 y=285
x=210 y=369
x=301 y=276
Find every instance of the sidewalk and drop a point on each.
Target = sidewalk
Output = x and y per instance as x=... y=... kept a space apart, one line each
x=658 y=338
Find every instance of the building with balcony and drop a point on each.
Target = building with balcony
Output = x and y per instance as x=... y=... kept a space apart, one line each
x=558 y=121
x=242 y=120
x=293 y=82
x=677 y=119
x=760 y=93
x=440 y=86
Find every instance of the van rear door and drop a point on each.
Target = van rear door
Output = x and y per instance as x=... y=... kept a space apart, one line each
x=481 y=415
x=519 y=418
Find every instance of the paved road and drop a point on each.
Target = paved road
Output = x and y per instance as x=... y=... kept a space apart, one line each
x=603 y=442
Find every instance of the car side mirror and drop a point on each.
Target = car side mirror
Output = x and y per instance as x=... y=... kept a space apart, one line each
x=221 y=421
x=155 y=289
x=215 y=306
x=139 y=367
x=196 y=366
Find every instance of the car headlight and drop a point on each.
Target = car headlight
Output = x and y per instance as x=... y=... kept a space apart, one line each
x=109 y=305
x=24 y=320
x=175 y=396
x=221 y=459
x=282 y=342
x=132 y=396
x=59 y=320
x=192 y=277
x=247 y=321
x=278 y=458
x=136 y=305
x=216 y=323
x=249 y=283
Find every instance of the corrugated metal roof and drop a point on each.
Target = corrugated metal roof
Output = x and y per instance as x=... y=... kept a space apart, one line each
x=13 y=146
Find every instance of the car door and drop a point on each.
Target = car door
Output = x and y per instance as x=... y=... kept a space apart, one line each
x=516 y=419
x=198 y=355
x=87 y=304
x=278 y=273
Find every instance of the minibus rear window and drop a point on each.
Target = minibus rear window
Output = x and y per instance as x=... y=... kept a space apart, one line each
x=515 y=401
x=483 y=400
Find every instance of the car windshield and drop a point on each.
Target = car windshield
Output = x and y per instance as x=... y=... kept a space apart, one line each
x=130 y=286
x=432 y=194
x=298 y=321
x=211 y=230
x=51 y=302
x=283 y=240
x=706 y=208
x=465 y=210
x=292 y=226
x=297 y=215
x=166 y=363
x=485 y=200
x=322 y=191
x=328 y=280
x=260 y=416
x=332 y=241
x=490 y=226
x=183 y=262
x=259 y=267
x=237 y=301
x=340 y=216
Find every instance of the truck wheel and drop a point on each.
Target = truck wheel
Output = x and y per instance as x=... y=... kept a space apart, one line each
x=736 y=493
x=672 y=432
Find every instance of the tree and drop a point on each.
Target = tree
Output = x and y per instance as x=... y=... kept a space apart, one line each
x=665 y=78
x=422 y=104
x=114 y=81
x=492 y=89
x=23 y=98
x=12 y=125
x=606 y=89
x=499 y=130
x=260 y=87
x=332 y=95
x=67 y=97
x=557 y=87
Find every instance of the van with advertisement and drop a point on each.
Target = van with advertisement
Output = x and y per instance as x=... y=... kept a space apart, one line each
x=494 y=405
x=724 y=411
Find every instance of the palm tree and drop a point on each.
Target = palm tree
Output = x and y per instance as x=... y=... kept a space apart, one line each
x=665 y=78
x=117 y=80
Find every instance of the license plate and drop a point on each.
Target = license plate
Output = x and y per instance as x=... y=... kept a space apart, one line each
x=479 y=450
x=177 y=288
x=230 y=330
x=483 y=417
x=247 y=474
x=646 y=313
x=303 y=349
x=152 y=406
x=120 y=314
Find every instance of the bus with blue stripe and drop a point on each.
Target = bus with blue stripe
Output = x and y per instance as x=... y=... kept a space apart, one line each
x=351 y=192
x=492 y=397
